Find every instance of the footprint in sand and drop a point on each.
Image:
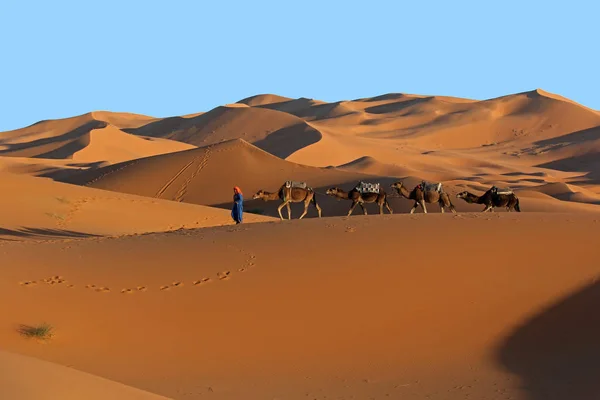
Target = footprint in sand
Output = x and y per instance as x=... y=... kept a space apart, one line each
x=223 y=275
x=103 y=289
x=127 y=291
x=27 y=283
x=203 y=280
x=142 y=288
x=177 y=284
x=166 y=287
x=242 y=269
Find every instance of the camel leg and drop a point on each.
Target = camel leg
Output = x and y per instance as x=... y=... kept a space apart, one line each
x=442 y=207
x=387 y=205
x=363 y=208
x=412 y=210
x=487 y=208
x=289 y=211
x=354 y=203
x=381 y=209
x=423 y=205
x=318 y=209
x=305 y=210
x=279 y=209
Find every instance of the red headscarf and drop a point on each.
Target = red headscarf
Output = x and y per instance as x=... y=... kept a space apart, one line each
x=237 y=190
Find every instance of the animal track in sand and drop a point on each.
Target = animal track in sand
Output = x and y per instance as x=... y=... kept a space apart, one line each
x=223 y=275
x=53 y=280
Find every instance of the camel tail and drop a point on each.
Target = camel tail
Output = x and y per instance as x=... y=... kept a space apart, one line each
x=517 y=207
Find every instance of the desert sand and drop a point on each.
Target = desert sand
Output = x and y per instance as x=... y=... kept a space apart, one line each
x=116 y=231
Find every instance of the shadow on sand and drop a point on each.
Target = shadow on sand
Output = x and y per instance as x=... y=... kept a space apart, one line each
x=556 y=353
x=38 y=233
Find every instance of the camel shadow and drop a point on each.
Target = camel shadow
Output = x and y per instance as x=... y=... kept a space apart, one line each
x=39 y=233
x=557 y=352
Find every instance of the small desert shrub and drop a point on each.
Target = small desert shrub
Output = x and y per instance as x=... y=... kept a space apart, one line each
x=41 y=331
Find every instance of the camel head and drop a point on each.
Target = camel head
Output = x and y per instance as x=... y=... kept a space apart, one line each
x=462 y=195
x=332 y=191
x=396 y=185
x=259 y=195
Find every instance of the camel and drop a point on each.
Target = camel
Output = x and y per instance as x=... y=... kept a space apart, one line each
x=494 y=197
x=289 y=193
x=424 y=193
x=359 y=198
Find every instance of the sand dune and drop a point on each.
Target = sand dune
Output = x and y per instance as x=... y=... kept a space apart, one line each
x=87 y=138
x=39 y=209
x=277 y=132
x=25 y=378
x=283 y=317
x=207 y=175
x=163 y=293
x=371 y=166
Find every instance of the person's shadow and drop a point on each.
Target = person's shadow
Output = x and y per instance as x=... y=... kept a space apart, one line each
x=557 y=352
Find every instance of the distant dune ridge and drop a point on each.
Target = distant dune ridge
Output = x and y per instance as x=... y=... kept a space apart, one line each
x=115 y=228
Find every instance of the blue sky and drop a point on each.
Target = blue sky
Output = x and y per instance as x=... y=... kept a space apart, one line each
x=64 y=58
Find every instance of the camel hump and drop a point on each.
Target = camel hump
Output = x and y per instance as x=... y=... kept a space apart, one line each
x=432 y=187
x=368 y=187
x=296 y=185
x=505 y=191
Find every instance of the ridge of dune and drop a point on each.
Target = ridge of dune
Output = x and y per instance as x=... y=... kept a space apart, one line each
x=263 y=99
x=371 y=166
x=277 y=132
x=122 y=120
x=89 y=137
x=113 y=145
x=27 y=378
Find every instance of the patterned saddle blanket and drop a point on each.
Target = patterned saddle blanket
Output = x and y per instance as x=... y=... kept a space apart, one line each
x=366 y=187
x=431 y=187
x=497 y=190
x=296 y=184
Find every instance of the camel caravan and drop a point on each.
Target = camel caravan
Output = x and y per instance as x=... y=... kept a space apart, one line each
x=368 y=192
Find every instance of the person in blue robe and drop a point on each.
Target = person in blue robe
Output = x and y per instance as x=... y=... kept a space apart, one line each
x=238 y=205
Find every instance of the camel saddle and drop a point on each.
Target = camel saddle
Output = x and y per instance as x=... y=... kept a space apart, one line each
x=366 y=187
x=296 y=184
x=505 y=191
x=431 y=187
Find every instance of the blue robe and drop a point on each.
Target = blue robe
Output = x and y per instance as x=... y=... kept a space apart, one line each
x=238 y=208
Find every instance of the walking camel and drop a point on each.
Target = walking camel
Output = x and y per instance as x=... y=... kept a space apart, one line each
x=425 y=193
x=494 y=197
x=291 y=192
x=359 y=197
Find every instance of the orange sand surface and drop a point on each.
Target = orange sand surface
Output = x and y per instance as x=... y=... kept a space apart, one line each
x=115 y=229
